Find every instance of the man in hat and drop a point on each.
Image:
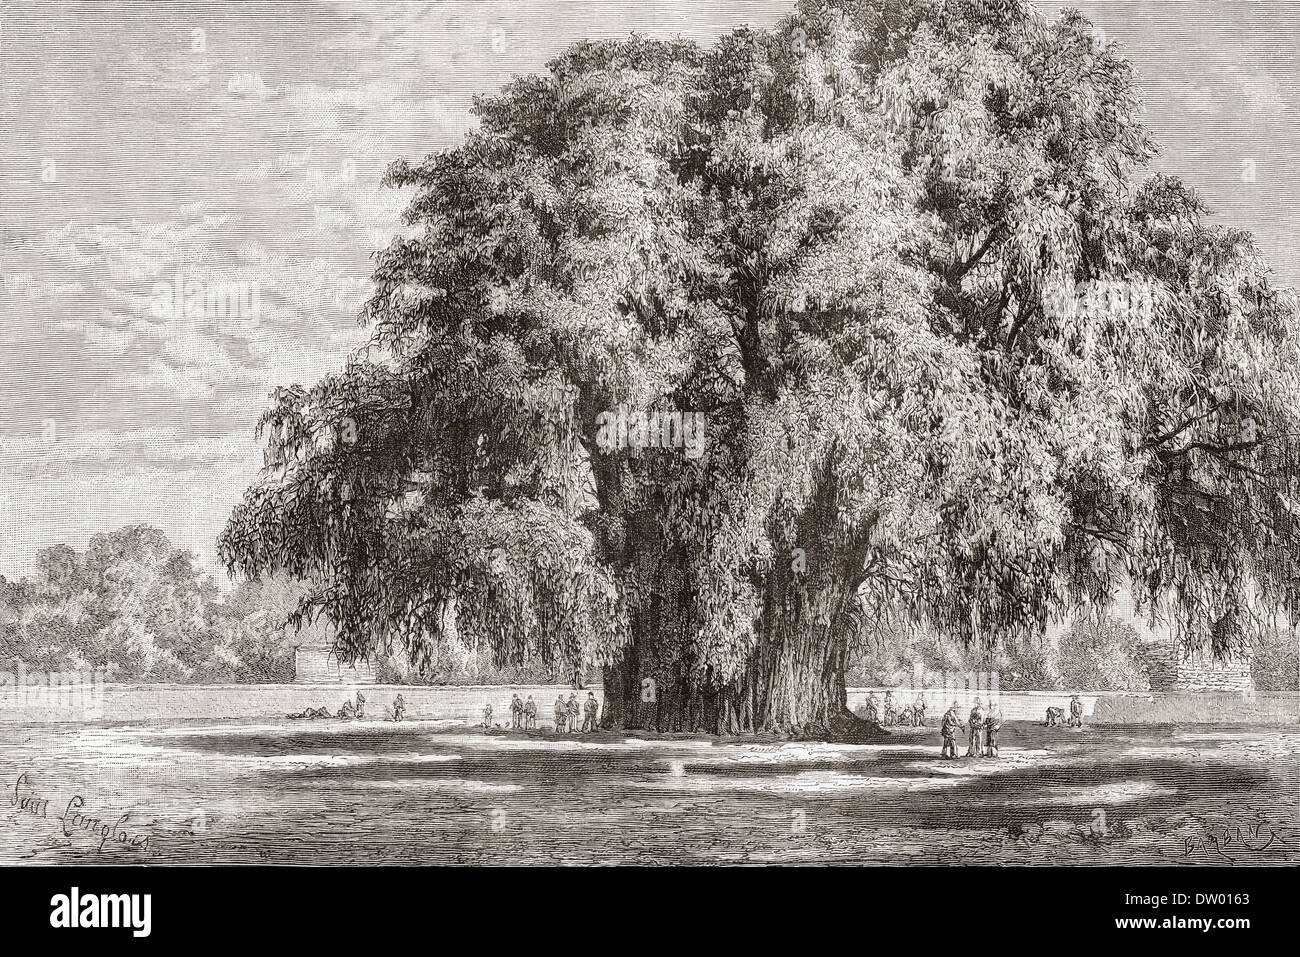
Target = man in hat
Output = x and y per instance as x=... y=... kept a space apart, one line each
x=516 y=712
x=561 y=714
x=992 y=724
x=487 y=716
x=889 y=708
x=530 y=714
x=1076 y=712
x=590 y=707
x=918 y=710
x=574 y=710
x=951 y=722
x=873 y=708
x=975 y=726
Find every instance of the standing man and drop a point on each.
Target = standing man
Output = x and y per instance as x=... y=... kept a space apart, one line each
x=918 y=710
x=949 y=731
x=976 y=728
x=889 y=707
x=590 y=707
x=516 y=712
x=574 y=710
x=873 y=708
x=561 y=714
x=992 y=724
x=1076 y=712
x=530 y=714
x=487 y=716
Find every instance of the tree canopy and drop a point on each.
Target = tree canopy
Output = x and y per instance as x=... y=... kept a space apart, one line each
x=960 y=359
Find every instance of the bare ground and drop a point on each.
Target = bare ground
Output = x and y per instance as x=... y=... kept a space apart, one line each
x=428 y=792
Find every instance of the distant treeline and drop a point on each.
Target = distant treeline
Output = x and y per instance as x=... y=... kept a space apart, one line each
x=1105 y=655
x=135 y=606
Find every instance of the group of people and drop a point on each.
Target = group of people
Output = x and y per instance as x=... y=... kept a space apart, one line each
x=523 y=713
x=348 y=712
x=982 y=726
x=356 y=710
x=913 y=716
x=1056 y=716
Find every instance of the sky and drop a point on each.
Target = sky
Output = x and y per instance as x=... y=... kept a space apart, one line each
x=238 y=148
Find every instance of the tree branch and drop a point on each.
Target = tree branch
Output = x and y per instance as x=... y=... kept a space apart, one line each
x=956 y=273
x=1178 y=430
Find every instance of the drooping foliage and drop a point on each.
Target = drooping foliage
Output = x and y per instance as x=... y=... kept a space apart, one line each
x=958 y=360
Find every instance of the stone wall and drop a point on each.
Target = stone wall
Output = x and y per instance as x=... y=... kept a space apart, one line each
x=1015 y=705
x=119 y=703
x=1200 y=672
x=1105 y=707
x=1199 y=707
x=1161 y=662
x=463 y=705
x=316 y=664
x=1173 y=670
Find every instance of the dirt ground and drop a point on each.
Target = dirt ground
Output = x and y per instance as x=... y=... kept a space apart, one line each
x=427 y=792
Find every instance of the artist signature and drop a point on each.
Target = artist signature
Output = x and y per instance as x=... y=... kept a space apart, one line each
x=1221 y=838
x=75 y=819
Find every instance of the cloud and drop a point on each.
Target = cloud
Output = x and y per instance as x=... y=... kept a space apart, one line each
x=248 y=85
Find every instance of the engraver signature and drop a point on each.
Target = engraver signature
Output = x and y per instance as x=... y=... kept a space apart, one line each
x=1220 y=838
x=75 y=819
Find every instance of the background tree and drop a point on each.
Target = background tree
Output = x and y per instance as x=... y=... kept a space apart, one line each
x=1275 y=660
x=1100 y=655
x=136 y=607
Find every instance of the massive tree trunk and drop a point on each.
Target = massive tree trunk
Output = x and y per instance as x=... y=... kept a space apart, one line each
x=792 y=686
x=647 y=688
x=801 y=661
x=802 y=679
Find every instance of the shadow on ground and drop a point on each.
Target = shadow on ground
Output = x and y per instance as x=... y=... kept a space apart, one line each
x=412 y=793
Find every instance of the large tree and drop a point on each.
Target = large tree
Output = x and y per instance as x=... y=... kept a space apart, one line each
x=959 y=359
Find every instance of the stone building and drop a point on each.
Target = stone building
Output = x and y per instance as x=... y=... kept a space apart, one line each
x=317 y=664
x=1175 y=669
